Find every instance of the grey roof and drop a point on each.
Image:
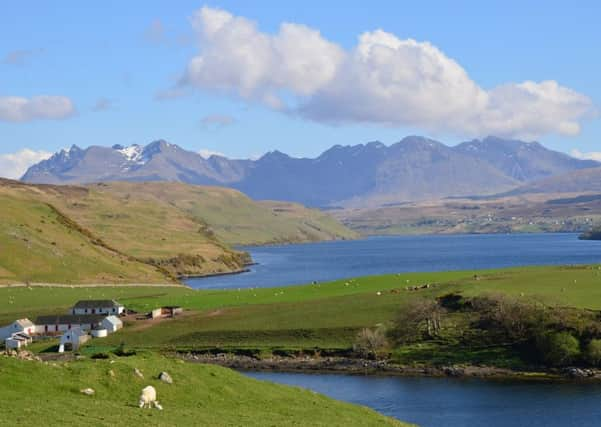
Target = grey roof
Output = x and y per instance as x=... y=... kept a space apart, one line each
x=65 y=319
x=113 y=320
x=95 y=303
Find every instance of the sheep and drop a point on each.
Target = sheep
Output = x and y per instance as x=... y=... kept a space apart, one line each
x=148 y=398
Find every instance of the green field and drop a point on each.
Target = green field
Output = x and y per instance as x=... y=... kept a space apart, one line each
x=49 y=394
x=326 y=315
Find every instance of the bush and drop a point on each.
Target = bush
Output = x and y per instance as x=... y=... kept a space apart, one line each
x=558 y=348
x=370 y=342
x=593 y=352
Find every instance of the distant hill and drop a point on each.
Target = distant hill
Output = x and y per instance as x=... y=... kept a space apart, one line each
x=415 y=168
x=579 y=181
x=140 y=232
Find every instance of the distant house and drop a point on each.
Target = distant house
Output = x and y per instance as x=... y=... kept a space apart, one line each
x=53 y=325
x=97 y=307
x=112 y=324
x=71 y=340
x=21 y=325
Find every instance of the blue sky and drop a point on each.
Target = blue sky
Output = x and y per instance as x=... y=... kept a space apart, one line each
x=111 y=60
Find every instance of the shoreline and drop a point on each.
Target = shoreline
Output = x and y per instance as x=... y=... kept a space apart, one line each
x=383 y=368
x=93 y=285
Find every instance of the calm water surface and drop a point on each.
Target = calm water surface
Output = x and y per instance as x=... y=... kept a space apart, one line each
x=434 y=402
x=295 y=264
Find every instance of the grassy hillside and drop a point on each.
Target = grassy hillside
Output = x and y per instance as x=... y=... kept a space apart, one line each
x=181 y=229
x=232 y=217
x=200 y=395
x=38 y=244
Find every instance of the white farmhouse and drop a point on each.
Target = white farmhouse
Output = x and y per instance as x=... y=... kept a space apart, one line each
x=112 y=324
x=21 y=325
x=54 y=325
x=71 y=340
x=98 y=307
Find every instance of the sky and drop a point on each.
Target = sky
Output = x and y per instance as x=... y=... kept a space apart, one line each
x=242 y=78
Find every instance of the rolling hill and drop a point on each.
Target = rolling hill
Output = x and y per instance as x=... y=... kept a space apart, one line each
x=140 y=232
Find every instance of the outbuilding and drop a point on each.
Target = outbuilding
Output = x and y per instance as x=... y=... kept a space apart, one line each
x=112 y=324
x=72 y=340
x=17 y=341
x=107 y=307
x=22 y=325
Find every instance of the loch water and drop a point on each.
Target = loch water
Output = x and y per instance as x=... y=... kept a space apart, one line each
x=281 y=265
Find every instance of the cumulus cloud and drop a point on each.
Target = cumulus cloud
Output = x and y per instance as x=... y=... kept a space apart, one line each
x=217 y=120
x=14 y=165
x=383 y=80
x=591 y=155
x=20 y=109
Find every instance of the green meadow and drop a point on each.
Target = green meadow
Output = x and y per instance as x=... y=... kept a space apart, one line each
x=325 y=315
x=200 y=395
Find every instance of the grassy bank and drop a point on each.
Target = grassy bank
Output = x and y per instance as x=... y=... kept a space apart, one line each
x=49 y=394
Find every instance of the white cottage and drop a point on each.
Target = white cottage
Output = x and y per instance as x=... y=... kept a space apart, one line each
x=71 y=340
x=112 y=324
x=108 y=307
x=22 y=325
x=54 y=325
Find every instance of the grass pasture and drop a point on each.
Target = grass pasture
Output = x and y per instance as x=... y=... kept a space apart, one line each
x=200 y=395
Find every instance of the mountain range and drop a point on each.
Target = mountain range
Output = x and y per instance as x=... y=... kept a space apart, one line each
x=372 y=174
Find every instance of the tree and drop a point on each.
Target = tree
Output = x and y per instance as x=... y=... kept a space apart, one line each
x=558 y=348
x=420 y=318
x=593 y=352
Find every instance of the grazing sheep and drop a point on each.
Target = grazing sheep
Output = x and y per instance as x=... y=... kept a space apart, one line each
x=148 y=398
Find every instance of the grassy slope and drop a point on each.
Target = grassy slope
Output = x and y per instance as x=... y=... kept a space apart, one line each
x=176 y=226
x=233 y=217
x=200 y=395
x=37 y=244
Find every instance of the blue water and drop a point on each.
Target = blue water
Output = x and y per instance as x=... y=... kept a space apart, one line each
x=295 y=264
x=434 y=402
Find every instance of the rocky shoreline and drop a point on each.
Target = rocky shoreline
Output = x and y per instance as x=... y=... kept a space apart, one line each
x=357 y=366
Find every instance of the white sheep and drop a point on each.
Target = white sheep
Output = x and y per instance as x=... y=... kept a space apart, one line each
x=148 y=398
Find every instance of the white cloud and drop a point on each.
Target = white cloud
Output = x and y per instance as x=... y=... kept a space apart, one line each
x=591 y=155
x=19 y=109
x=14 y=165
x=206 y=153
x=383 y=80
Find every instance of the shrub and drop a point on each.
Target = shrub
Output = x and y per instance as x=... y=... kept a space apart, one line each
x=370 y=342
x=593 y=352
x=558 y=348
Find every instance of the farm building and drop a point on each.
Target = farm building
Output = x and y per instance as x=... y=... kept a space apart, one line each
x=71 y=340
x=169 y=311
x=17 y=341
x=53 y=325
x=112 y=324
x=21 y=325
x=97 y=307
